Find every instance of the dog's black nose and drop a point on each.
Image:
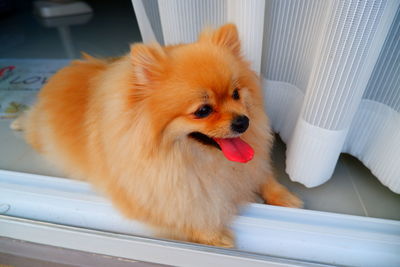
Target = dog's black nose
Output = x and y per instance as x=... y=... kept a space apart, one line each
x=240 y=124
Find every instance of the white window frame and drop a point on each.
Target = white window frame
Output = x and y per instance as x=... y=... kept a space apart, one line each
x=69 y=214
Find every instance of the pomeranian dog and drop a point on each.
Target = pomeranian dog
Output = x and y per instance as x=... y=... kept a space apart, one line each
x=175 y=136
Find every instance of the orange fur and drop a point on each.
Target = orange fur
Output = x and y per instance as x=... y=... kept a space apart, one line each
x=123 y=125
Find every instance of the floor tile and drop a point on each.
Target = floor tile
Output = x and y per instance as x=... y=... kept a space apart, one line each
x=379 y=200
x=337 y=195
x=12 y=145
x=17 y=155
x=32 y=162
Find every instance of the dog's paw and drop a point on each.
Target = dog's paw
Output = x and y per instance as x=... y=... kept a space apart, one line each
x=223 y=238
x=283 y=197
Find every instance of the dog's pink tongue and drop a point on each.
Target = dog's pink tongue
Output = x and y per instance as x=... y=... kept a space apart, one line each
x=235 y=149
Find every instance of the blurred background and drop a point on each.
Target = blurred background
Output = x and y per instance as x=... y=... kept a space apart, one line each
x=34 y=29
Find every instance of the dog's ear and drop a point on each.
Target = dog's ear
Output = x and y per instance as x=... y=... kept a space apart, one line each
x=148 y=62
x=225 y=36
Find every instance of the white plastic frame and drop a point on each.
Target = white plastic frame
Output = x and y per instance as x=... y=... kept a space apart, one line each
x=304 y=235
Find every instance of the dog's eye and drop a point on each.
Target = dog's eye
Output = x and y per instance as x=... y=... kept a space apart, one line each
x=203 y=111
x=235 y=94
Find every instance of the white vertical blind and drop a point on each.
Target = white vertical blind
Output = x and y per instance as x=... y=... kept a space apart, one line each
x=249 y=15
x=374 y=135
x=343 y=65
x=330 y=72
x=181 y=19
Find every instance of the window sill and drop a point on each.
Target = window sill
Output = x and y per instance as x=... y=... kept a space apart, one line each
x=67 y=213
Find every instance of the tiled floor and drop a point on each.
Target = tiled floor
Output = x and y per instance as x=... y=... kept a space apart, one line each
x=17 y=155
x=351 y=190
x=108 y=32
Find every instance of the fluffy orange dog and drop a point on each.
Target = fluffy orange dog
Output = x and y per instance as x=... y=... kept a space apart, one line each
x=166 y=132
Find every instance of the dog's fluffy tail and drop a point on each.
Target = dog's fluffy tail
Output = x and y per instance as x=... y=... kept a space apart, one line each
x=87 y=57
